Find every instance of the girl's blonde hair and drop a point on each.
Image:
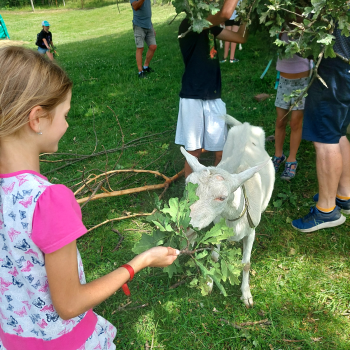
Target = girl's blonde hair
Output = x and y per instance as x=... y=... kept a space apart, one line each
x=28 y=79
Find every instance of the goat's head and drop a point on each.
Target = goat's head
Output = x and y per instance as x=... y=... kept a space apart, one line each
x=215 y=190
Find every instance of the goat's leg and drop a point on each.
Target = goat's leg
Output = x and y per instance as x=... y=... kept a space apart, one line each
x=247 y=250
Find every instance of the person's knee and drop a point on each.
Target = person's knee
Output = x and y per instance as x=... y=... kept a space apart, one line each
x=152 y=47
x=296 y=125
x=281 y=123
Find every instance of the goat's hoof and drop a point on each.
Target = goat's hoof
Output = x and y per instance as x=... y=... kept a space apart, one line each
x=248 y=302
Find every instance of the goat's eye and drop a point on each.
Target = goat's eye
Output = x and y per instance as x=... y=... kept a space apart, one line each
x=220 y=199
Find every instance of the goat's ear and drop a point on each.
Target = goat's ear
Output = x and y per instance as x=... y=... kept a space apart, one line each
x=241 y=178
x=192 y=161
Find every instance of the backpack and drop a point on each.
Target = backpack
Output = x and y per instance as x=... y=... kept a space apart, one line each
x=37 y=43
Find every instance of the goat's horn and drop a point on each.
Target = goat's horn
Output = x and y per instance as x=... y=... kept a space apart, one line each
x=231 y=121
x=192 y=161
x=245 y=175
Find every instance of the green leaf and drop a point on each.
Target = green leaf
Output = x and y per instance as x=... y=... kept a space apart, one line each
x=190 y=193
x=194 y=282
x=206 y=272
x=173 y=209
x=171 y=269
x=224 y=270
x=201 y=255
x=148 y=241
x=217 y=233
x=277 y=203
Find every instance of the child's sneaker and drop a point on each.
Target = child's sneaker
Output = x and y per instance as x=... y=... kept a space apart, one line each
x=289 y=170
x=223 y=61
x=343 y=205
x=234 y=60
x=277 y=161
x=148 y=70
x=317 y=220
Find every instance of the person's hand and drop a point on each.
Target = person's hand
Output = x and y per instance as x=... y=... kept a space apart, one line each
x=161 y=256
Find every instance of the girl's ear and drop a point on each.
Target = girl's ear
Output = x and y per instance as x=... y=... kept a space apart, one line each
x=34 y=118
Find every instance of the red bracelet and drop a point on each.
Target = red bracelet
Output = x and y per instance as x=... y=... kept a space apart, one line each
x=132 y=273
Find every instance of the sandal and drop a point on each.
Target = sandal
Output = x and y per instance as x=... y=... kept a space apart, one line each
x=289 y=172
x=277 y=161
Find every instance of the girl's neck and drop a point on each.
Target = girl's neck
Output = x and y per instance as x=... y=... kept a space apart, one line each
x=17 y=155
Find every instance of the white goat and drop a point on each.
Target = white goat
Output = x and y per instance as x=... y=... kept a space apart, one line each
x=238 y=189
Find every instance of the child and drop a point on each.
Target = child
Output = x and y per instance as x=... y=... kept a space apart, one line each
x=45 y=301
x=44 y=40
x=199 y=123
x=231 y=24
x=294 y=75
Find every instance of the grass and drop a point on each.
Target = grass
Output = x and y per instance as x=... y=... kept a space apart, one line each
x=300 y=282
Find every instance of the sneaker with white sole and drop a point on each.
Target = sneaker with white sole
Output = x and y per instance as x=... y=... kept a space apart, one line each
x=317 y=220
x=343 y=205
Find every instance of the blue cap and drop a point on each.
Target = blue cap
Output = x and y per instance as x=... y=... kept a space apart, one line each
x=45 y=23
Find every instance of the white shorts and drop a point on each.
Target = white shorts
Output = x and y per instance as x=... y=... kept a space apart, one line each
x=199 y=124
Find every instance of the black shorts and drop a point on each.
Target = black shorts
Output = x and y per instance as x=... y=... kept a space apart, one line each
x=232 y=22
x=327 y=110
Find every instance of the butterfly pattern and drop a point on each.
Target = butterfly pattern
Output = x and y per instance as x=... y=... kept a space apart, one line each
x=26 y=307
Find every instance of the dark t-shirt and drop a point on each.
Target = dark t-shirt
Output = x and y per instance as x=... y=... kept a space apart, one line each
x=43 y=35
x=202 y=77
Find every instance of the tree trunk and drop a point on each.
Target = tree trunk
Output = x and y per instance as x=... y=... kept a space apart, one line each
x=31 y=1
x=64 y=4
x=154 y=2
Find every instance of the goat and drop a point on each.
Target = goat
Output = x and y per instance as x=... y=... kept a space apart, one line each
x=238 y=189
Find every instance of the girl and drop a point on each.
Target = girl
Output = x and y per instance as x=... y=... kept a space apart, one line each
x=294 y=75
x=45 y=301
x=44 y=40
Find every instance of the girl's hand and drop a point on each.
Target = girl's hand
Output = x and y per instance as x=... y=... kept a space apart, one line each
x=161 y=256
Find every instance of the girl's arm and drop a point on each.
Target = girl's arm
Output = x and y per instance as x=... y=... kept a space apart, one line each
x=224 y=14
x=46 y=44
x=71 y=298
x=236 y=37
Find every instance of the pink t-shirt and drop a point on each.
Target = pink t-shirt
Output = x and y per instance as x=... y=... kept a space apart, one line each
x=57 y=219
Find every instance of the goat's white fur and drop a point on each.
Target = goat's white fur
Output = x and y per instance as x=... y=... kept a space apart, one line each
x=244 y=160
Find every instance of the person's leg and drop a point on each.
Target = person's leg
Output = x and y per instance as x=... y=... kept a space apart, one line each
x=188 y=169
x=329 y=166
x=233 y=45
x=344 y=181
x=149 y=55
x=227 y=44
x=280 y=130
x=296 y=126
x=49 y=55
x=139 y=51
x=218 y=157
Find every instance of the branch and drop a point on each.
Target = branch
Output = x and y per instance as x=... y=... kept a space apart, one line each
x=190 y=252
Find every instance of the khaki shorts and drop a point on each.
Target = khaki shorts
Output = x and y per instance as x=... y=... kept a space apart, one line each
x=144 y=34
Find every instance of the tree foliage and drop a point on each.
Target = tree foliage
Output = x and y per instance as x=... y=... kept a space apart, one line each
x=171 y=223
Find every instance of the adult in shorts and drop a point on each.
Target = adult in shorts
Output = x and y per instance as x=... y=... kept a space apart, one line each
x=143 y=32
x=326 y=118
x=199 y=124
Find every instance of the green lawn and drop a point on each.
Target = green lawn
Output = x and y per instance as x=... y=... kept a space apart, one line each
x=300 y=282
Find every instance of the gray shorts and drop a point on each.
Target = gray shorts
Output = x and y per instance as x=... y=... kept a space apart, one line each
x=144 y=34
x=286 y=87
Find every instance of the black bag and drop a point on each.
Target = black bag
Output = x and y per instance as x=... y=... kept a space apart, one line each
x=37 y=43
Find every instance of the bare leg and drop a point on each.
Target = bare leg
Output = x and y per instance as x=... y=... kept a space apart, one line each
x=344 y=182
x=188 y=169
x=227 y=44
x=150 y=53
x=218 y=157
x=247 y=250
x=49 y=55
x=329 y=166
x=233 y=45
x=139 y=52
x=280 y=130
x=296 y=125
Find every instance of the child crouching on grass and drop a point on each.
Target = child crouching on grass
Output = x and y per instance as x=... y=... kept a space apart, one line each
x=45 y=300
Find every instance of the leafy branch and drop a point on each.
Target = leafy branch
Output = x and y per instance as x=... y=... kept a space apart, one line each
x=172 y=228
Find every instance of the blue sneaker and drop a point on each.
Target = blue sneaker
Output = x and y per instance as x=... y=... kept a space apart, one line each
x=317 y=220
x=344 y=205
